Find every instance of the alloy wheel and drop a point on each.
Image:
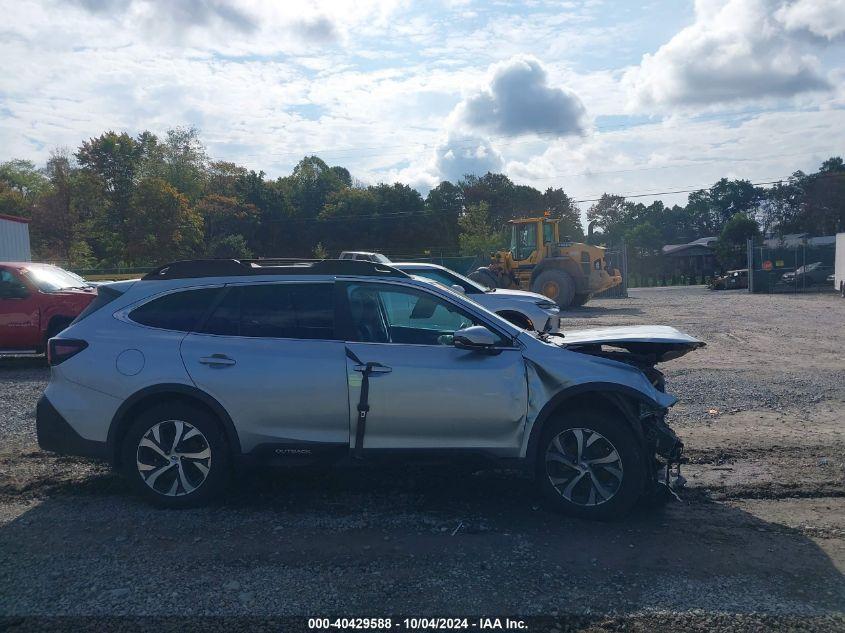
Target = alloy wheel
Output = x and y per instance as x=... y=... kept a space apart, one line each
x=584 y=467
x=173 y=458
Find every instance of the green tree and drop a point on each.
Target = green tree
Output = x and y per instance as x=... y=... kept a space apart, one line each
x=445 y=203
x=608 y=215
x=496 y=190
x=55 y=226
x=162 y=226
x=223 y=217
x=114 y=161
x=477 y=236
x=185 y=162
x=229 y=247
x=731 y=247
x=645 y=239
x=561 y=206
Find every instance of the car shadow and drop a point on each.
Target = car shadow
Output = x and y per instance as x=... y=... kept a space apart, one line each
x=404 y=538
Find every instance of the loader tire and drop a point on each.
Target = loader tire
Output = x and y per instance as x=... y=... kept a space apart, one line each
x=557 y=285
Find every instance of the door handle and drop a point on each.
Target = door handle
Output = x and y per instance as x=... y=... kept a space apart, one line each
x=217 y=360
x=375 y=368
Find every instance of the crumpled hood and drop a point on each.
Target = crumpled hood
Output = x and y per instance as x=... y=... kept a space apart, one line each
x=659 y=342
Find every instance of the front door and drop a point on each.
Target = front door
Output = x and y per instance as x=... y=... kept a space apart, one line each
x=268 y=354
x=429 y=394
x=19 y=314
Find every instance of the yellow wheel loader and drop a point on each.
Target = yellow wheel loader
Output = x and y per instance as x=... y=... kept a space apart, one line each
x=567 y=272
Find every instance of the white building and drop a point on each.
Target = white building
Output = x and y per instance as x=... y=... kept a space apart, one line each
x=14 y=239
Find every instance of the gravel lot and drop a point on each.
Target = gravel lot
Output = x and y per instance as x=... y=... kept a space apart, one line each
x=758 y=541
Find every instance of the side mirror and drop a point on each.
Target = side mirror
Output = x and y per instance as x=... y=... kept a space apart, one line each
x=458 y=288
x=475 y=337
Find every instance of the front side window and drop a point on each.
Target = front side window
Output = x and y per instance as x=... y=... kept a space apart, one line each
x=180 y=311
x=303 y=311
x=10 y=285
x=392 y=314
x=523 y=240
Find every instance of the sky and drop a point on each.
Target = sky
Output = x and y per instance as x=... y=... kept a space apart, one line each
x=634 y=98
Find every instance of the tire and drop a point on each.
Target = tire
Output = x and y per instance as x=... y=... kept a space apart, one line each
x=557 y=285
x=600 y=491
x=57 y=324
x=176 y=483
x=579 y=300
x=484 y=277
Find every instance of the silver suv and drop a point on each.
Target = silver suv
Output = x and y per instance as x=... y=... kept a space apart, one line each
x=178 y=376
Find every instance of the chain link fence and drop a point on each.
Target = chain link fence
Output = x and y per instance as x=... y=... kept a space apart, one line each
x=795 y=267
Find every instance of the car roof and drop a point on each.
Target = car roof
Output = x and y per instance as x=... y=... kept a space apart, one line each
x=205 y=268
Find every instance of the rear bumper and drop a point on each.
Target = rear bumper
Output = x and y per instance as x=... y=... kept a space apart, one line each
x=56 y=435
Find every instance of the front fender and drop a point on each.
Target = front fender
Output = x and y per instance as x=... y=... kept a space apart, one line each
x=613 y=384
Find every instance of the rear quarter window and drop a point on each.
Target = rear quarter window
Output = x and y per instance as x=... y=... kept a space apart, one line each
x=105 y=295
x=180 y=311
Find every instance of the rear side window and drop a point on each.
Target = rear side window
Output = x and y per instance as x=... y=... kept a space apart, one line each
x=105 y=295
x=180 y=311
x=304 y=311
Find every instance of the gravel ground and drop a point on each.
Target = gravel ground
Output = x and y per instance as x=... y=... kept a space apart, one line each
x=757 y=542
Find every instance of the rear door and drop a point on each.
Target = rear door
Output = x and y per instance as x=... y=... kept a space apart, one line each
x=428 y=394
x=268 y=353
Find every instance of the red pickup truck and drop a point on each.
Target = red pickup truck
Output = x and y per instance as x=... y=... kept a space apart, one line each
x=37 y=301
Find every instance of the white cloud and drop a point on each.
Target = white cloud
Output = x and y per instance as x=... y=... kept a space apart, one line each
x=518 y=99
x=825 y=18
x=458 y=156
x=735 y=50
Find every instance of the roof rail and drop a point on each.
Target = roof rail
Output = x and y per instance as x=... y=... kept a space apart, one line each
x=191 y=268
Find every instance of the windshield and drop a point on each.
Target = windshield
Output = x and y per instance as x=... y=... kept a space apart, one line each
x=447 y=287
x=52 y=278
x=449 y=278
x=523 y=240
x=381 y=259
x=809 y=267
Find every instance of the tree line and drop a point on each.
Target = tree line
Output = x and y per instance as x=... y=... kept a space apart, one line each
x=122 y=201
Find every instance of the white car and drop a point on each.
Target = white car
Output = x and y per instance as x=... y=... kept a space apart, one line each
x=365 y=256
x=528 y=310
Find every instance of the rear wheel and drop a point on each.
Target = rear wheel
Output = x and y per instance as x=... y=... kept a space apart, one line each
x=557 y=285
x=589 y=465
x=484 y=277
x=56 y=326
x=175 y=455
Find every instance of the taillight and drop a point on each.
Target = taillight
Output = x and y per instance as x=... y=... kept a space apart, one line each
x=60 y=349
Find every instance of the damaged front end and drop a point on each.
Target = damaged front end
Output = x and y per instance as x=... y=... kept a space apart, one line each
x=666 y=453
x=643 y=347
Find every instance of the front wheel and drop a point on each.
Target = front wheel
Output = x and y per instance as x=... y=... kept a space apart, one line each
x=175 y=455
x=589 y=465
x=557 y=285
